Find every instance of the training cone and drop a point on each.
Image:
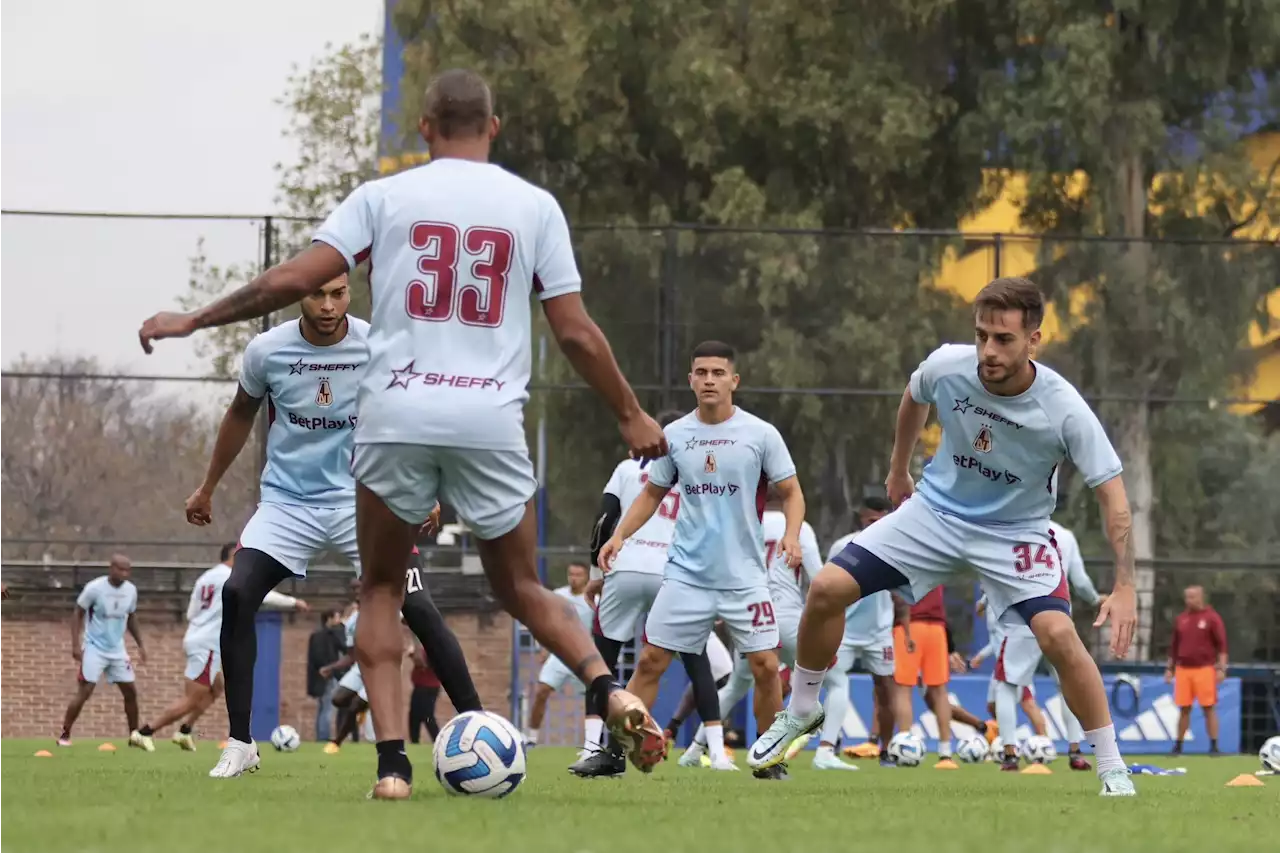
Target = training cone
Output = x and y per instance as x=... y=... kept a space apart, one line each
x=946 y=764
x=1244 y=780
x=222 y=744
x=44 y=753
x=1036 y=770
x=107 y=747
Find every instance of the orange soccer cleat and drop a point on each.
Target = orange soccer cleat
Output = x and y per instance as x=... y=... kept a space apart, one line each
x=630 y=722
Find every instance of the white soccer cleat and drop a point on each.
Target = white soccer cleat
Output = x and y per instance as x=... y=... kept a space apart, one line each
x=724 y=763
x=140 y=741
x=237 y=758
x=692 y=756
x=1116 y=783
x=771 y=747
x=797 y=745
x=187 y=742
x=829 y=761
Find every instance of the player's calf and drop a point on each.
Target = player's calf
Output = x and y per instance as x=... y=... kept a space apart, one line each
x=651 y=665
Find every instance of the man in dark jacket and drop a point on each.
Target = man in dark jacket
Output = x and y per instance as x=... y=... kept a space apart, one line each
x=325 y=646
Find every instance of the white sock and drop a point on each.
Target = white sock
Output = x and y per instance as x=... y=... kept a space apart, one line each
x=594 y=727
x=836 y=705
x=825 y=751
x=715 y=742
x=530 y=736
x=806 y=685
x=944 y=748
x=700 y=736
x=1105 y=749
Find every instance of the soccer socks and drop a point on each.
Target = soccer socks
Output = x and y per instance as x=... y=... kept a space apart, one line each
x=836 y=706
x=806 y=685
x=443 y=649
x=252 y=577
x=1105 y=749
x=944 y=749
x=594 y=729
x=1007 y=712
x=715 y=742
x=392 y=760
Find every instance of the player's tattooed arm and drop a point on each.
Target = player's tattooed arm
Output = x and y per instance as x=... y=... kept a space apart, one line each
x=278 y=287
x=1118 y=521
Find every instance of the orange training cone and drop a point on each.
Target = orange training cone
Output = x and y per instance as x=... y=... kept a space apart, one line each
x=44 y=753
x=1036 y=770
x=107 y=747
x=1244 y=780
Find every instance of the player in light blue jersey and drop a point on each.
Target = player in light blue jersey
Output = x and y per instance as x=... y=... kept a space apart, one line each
x=105 y=609
x=722 y=459
x=1008 y=423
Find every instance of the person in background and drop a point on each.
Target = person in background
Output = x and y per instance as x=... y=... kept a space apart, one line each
x=1197 y=663
x=422 y=702
x=325 y=646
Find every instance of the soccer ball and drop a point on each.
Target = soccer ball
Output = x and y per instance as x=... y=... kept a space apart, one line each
x=906 y=750
x=1270 y=754
x=479 y=754
x=996 y=752
x=286 y=739
x=972 y=750
x=1038 y=749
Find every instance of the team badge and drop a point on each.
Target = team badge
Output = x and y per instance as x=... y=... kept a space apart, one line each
x=710 y=465
x=982 y=442
x=324 y=397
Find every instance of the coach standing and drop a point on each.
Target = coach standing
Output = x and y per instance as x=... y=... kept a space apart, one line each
x=1197 y=662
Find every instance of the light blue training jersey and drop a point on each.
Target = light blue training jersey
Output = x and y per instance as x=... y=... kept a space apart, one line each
x=107 y=608
x=722 y=472
x=311 y=397
x=998 y=459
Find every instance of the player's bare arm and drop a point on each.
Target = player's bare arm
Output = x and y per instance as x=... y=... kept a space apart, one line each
x=902 y=616
x=278 y=287
x=77 y=632
x=233 y=433
x=793 y=509
x=132 y=625
x=640 y=511
x=587 y=349
x=1122 y=605
x=911 y=420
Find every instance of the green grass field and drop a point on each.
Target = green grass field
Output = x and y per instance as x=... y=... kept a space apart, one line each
x=85 y=800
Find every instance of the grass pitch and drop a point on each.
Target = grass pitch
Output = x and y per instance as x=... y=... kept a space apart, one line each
x=81 y=799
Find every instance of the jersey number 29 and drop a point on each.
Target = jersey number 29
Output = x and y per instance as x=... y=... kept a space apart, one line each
x=439 y=295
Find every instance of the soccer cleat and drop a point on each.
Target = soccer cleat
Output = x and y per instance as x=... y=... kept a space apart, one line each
x=1009 y=764
x=64 y=741
x=771 y=747
x=332 y=748
x=600 y=764
x=869 y=749
x=186 y=741
x=774 y=772
x=723 y=764
x=693 y=756
x=140 y=741
x=797 y=745
x=633 y=728
x=1079 y=762
x=827 y=760
x=239 y=757
x=992 y=732
x=391 y=788
x=1116 y=783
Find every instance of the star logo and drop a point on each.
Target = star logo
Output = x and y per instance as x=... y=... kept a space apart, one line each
x=962 y=406
x=295 y=369
x=691 y=444
x=403 y=376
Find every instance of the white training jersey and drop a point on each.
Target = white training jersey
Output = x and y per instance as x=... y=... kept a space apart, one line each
x=868 y=620
x=455 y=247
x=646 y=551
x=204 y=610
x=579 y=601
x=786 y=585
x=108 y=608
x=350 y=627
x=1073 y=564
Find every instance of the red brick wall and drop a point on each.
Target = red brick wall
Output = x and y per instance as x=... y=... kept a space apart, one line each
x=38 y=675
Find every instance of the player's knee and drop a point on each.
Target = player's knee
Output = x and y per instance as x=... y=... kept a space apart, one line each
x=1057 y=636
x=653 y=662
x=764 y=665
x=832 y=590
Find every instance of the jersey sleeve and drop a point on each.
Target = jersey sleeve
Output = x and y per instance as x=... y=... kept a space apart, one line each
x=193 y=604
x=88 y=596
x=253 y=369
x=924 y=380
x=662 y=471
x=349 y=229
x=1087 y=444
x=811 y=555
x=614 y=486
x=1077 y=577
x=555 y=272
x=776 y=462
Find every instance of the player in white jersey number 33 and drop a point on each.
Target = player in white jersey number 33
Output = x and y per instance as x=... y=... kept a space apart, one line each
x=1008 y=422
x=456 y=247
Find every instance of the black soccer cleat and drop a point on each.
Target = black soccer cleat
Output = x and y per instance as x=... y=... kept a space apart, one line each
x=776 y=773
x=600 y=764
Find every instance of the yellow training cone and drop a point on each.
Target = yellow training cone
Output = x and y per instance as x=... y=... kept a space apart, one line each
x=44 y=753
x=1244 y=780
x=1036 y=770
x=946 y=764
x=107 y=747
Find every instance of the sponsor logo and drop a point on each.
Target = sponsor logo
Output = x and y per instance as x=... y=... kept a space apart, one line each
x=324 y=396
x=709 y=489
x=993 y=474
x=404 y=376
x=982 y=441
x=710 y=465
x=322 y=422
x=963 y=407
x=299 y=367
x=708 y=442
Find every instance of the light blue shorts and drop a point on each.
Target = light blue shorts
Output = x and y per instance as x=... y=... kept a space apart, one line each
x=296 y=535
x=683 y=615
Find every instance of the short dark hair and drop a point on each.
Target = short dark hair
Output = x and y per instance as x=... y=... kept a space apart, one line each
x=579 y=563
x=329 y=614
x=1012 y=293
x=669 y=417
x=227 y=550
x=876 y=503
x=714 y=349
x=458 y=103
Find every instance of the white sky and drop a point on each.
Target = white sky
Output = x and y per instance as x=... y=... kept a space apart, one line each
x=140 y=106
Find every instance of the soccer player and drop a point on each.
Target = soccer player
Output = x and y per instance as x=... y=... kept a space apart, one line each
x=724 y=460
x=200 y=644
x=554 y=672
x=1197 y=664
x=1008 y=422
x=721 y=662
x=787 y=586
x=1012 y=680
x=921 y=653
x=107 y=604
x=456 y=247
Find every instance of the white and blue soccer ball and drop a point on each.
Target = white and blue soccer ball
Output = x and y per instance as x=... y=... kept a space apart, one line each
x=286 y=739
x=479 y=754
x=973 y=749
x=1270 y=754
x=906 y=750
x=1039 y=749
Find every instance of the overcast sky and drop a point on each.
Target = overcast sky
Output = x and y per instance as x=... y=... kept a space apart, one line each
x=140 y=106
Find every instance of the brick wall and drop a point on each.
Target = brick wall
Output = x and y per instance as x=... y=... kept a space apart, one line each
x=38 y=675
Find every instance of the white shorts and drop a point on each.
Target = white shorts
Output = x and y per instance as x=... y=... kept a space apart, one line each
x=1015 y=562
x=875 y=655
x=1019 y=657
x=683 y=615
x=489 y=489
x=625 y=598
x=721 y=660
x=352 y=680
x=203 y=665
x=554 y=674
x=1026 y=691
x=296 y=535
x=96 y=662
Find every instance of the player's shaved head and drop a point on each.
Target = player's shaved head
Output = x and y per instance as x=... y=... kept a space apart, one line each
x=458 y=104
x=119 y=570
